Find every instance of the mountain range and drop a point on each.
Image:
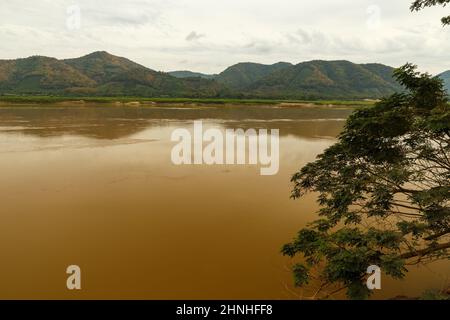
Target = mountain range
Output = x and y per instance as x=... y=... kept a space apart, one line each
x=308 y=80
x=96 y=74
x=446 y=77
x=103 y=74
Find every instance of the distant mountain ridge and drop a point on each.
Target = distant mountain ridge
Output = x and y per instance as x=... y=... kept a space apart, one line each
x=446 y=77
x=190 y=74
x=103 y=74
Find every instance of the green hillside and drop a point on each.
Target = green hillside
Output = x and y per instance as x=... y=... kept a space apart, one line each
x=326 y=79
x=241 y=75
x=103 y=67
x=40 y=74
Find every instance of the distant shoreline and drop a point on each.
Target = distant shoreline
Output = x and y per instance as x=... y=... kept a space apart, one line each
x=148 y=102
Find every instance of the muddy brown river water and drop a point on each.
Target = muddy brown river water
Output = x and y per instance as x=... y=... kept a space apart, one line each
x=95 y=187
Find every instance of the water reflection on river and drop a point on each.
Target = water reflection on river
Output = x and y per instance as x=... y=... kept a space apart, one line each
x=95 y=187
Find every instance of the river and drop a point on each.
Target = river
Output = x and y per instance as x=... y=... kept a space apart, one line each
x=95 y=186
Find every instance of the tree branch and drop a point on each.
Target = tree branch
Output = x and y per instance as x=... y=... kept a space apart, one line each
x=424 y=252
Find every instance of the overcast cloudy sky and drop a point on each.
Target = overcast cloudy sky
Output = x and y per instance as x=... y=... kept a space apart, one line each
x=209 y=35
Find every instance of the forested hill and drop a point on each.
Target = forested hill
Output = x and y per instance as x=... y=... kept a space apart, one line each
x=103 y=74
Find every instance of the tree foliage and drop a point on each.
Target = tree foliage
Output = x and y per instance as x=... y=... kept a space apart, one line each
x=383 y=190
x=421 y=4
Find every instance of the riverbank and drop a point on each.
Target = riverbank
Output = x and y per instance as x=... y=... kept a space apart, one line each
x=139 y=101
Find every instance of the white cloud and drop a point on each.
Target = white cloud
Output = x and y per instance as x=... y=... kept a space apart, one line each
x=205 y=35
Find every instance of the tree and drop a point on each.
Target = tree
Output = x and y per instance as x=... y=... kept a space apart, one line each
x=421 y=4
x=383 y=190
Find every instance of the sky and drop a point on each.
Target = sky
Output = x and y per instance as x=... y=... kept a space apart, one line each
x=210 y=35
